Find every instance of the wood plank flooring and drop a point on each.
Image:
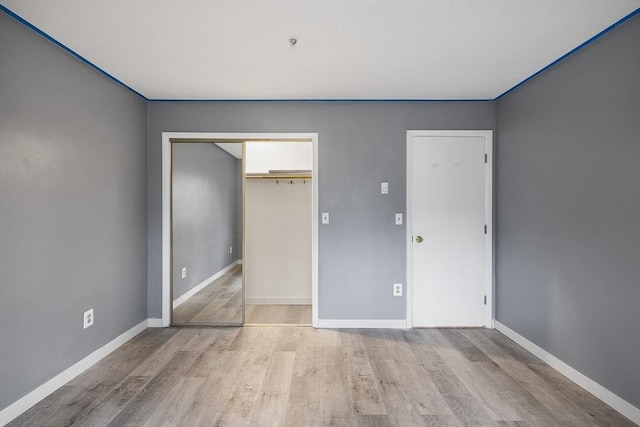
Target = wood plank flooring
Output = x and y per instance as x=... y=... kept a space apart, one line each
x=300 y=376
x=220 y=303
x=278 y=314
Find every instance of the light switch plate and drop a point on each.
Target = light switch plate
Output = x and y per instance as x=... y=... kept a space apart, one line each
x=325 y=217
x=398 y=219
x=384 y=188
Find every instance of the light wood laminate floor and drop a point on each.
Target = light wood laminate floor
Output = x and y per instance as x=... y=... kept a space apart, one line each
x=297 y=315
x=219 y=303
x=267 y=376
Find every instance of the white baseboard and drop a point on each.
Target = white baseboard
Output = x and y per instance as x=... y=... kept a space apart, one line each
x=154 y=323
x=362 y=323
x=21 y=405
x=608 y=397
x=206 y=282
x=271 y=301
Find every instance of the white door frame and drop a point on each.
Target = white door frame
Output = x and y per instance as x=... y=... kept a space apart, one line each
x=488 y=279
x=166 y=206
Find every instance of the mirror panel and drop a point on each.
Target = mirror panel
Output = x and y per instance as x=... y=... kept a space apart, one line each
x=207 y=221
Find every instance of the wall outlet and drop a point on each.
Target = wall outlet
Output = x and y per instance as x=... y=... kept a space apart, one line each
x=184 y=272
x=87 y=318
x=397 y=289
x=230 y=249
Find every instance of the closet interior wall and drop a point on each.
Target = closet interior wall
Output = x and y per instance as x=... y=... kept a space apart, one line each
x=278 y=223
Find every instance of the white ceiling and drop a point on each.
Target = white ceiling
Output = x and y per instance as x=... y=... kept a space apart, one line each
x=392 y=49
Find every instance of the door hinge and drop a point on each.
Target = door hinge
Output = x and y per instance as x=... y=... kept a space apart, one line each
x=486 y=157
x=485 y=300
x=485 y=229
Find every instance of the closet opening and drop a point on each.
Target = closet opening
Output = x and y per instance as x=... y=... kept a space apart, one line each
x=240 y=227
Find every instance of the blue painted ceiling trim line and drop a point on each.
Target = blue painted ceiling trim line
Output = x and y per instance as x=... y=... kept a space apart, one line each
x=321 y=100
x=65 y=48
x=566 y=55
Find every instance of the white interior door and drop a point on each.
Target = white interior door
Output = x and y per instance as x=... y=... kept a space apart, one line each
x=449 y=183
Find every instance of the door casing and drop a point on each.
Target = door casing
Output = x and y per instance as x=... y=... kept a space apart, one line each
x=489 y=265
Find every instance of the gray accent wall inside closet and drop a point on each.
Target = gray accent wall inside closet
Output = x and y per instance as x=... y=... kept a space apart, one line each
x=568 y=211
x=72 y=210
x=205 y=218
x=362 y=252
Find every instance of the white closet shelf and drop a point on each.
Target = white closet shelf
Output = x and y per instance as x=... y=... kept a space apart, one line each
x=278 y=176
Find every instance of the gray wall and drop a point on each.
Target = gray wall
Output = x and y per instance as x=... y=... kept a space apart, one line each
x=205 y=217
x=568 y=211
x=361 y=144
x=72 y=210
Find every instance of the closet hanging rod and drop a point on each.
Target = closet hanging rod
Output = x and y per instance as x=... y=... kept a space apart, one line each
x=273 y=176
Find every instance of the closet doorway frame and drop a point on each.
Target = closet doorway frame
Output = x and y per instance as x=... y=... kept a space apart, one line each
x=167 y=138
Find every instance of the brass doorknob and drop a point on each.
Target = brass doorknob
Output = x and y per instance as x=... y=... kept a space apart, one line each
x=419 y=239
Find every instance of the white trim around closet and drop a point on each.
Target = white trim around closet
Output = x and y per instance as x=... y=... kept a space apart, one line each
x=166 y=206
